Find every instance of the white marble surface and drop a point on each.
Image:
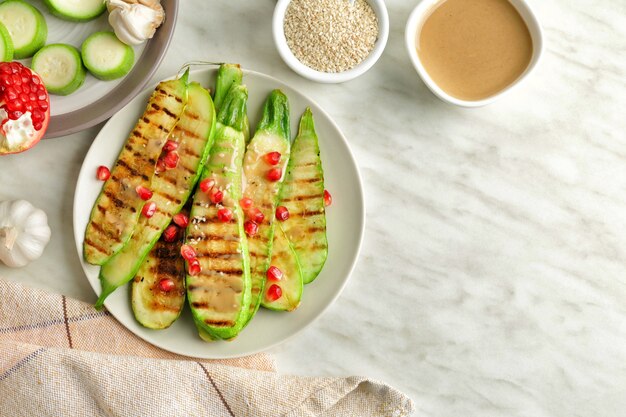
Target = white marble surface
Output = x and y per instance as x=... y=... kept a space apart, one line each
x=492 y=280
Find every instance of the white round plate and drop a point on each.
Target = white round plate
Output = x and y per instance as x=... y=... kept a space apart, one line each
x=345 y=225
x=97 y=100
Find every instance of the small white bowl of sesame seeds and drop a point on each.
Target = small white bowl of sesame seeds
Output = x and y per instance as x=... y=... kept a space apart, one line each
x=330 y=41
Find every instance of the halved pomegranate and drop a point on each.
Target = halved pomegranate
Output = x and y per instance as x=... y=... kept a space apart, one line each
x=24 y=108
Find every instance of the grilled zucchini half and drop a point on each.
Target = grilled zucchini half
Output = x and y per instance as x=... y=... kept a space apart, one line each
x=116 y=210
x=272 y=135
x=219 y=294
x=303 y=194
x=154 y=306
x=170 y=189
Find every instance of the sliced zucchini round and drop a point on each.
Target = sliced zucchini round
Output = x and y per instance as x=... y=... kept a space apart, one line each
x=76 y=10
x=6 y=45
x=106 y=57
x=60 y=68
x=26 y=25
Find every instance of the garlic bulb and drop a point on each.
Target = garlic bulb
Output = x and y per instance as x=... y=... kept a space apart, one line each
x=24 y=232
x=135 y=21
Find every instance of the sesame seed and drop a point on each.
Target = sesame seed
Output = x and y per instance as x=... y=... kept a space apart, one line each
x=330 y=35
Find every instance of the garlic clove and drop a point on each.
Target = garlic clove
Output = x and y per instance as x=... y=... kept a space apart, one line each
x=135 y=21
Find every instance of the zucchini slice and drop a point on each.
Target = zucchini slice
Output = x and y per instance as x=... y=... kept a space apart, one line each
x=219 y=294
x=284 y=258
x=303 y=195
x=106 y=57
x=153 y=307
x=26 y=25
x=76 y=10
x=171 y=189
x=117 y=208
x=60 y=67
x=272 y=135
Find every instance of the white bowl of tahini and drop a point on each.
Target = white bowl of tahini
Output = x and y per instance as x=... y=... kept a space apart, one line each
x=330 y=41
x=470 y=53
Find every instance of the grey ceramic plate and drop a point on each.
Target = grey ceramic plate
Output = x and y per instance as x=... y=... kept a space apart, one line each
x=95 y=108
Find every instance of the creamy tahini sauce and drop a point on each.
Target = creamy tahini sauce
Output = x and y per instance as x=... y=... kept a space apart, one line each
x=472 y=49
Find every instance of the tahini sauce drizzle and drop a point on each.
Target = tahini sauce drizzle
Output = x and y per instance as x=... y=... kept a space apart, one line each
x=472 y=49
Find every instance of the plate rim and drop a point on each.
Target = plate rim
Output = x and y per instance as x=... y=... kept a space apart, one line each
x=78 y=235
x=133 y=83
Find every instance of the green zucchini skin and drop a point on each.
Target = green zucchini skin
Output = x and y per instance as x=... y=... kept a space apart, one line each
x=272 y=135
x=220 y=294
x=303 y=195
x=116 y=210
x=152 y=307
x=171 y=189
x=227 y=76
x=284 y=258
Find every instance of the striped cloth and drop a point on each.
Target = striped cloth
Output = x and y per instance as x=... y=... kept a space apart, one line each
x=61 y=357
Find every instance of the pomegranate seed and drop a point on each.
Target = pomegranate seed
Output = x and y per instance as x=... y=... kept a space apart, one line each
x=251 y=228
x=206 y=184
x=144 y=193
x=256 y=215
x=274 y=292
x=245 y=203
x=188 y=252
x=43 y=105
x=272 y=158
x=160 y=166
x=282 y=213
x=103 y=173
x=181 y=219
x=225 y=215
x=170 y=146
x=166 y=284
x=171 y=233
x=328 y=199
x=171 y=159
x=37 y=125
x=194 y=267
x=149 y=209
x=274 y=274
x=274 y=174
x=217 y=196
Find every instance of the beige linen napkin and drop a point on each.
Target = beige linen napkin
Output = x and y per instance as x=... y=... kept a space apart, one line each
x=61 y=357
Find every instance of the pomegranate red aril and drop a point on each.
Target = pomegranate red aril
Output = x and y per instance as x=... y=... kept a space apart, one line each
x=225 y=215
x=206 y=184
x=217 y=196
x=171 y=159
x=160 y=166
x=149 y=209
x=103 y=173
x=144 y=193
x=194 y=267
x=170 y=146
x=256 y=215
x=274 y=174
x=274 y=274
x=166 y=284
x=272 y=158
x=187 y=252
x=245 y=203
x=181 y=220
x=171 y=233
x=251 y=228
x=282 y=213
x=22 y=95
x=274 y=292
x=328 y=199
